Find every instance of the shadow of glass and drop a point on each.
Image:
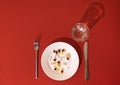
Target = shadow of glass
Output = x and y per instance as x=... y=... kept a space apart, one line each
x=93 y=14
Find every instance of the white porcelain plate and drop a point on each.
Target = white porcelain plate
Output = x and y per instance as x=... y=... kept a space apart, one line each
x=60 y=61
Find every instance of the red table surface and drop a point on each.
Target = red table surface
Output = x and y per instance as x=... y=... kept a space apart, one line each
x=21 y=21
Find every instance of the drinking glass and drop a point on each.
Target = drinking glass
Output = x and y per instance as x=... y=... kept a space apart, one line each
x=81 y=30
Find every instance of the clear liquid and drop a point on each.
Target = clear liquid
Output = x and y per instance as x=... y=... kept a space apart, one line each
x=80 y=32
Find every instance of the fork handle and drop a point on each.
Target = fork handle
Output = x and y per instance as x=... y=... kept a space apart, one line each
x=36 y=65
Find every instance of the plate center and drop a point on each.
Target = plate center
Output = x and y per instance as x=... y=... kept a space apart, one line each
x=59 y=60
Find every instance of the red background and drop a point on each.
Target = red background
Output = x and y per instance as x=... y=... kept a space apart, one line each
x=21 y=21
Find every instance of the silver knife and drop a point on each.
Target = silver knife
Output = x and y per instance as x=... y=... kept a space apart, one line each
x=86 y=60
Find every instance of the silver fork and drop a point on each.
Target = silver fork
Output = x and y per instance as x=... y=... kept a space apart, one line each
x=36 y=47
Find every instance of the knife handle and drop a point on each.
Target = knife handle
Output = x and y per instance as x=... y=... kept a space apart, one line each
x=86 y=71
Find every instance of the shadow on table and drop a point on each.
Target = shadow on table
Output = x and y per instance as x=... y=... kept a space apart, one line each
x=94 y=13
x=72 y=43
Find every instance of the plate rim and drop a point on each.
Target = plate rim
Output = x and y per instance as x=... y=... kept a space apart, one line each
x=77 y=57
